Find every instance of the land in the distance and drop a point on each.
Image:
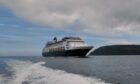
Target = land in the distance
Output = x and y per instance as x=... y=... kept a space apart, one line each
x=117 y=50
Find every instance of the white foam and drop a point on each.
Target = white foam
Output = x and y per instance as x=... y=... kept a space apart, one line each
x=25 y=72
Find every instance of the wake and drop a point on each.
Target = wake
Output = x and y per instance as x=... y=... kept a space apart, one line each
x=26 y=72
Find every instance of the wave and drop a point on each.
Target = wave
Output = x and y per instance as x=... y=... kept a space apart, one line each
x=26 y=72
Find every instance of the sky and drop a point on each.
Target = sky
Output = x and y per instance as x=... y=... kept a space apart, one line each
x=26 y=25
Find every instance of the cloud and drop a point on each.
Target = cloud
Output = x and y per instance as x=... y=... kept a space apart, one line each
x=98 y=16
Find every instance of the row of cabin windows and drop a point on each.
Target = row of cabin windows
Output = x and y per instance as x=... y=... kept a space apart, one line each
x=54 y=44
x=68 y=43
x=56 y=49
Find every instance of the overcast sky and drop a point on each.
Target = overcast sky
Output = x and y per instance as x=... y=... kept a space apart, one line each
x=26 y=25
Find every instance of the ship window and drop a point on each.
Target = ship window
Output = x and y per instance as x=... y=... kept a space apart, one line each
x=78 y=43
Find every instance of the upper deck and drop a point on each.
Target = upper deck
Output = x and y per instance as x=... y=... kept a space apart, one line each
x=66 y=43
x=65 y=39
x=71 y=38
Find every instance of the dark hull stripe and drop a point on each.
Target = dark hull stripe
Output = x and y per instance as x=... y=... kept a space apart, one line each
x=76 y=52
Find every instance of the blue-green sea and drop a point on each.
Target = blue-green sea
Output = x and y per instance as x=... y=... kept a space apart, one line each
x=70 y=70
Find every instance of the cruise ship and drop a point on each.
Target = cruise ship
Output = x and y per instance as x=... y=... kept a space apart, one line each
x=67 y=46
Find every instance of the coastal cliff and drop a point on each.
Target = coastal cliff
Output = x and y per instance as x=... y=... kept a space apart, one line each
x=117 y=50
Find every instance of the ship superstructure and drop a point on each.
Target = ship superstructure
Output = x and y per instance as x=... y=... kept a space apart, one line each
x=67 y=46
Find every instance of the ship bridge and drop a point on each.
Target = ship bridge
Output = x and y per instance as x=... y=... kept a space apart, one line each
x=74 y=42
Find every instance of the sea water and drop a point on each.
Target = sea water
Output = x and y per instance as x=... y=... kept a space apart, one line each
x=70 y=70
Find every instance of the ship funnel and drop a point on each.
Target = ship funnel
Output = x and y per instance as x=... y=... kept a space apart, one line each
x=55 y=39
